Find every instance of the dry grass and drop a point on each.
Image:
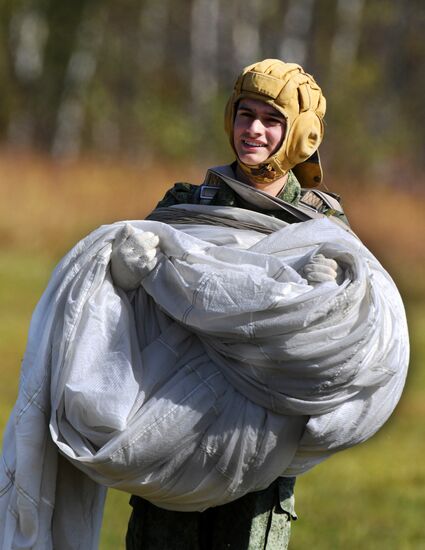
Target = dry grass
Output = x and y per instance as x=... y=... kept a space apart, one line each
x=47 y=204
x=392 y=224
x=389 y=219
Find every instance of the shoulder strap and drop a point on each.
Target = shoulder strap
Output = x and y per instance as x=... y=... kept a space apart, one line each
x=301 y=212
x=208 y=190
x=318 y=199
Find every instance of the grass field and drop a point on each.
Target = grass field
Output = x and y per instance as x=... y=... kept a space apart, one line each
x=371 y=497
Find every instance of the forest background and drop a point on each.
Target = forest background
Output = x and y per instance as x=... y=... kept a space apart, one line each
x=105 y=104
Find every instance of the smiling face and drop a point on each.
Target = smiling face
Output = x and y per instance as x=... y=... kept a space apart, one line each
x=258 y=131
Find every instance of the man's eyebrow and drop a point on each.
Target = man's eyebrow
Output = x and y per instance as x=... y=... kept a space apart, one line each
x=275 y=114
x=272 y=112
x=245 y=108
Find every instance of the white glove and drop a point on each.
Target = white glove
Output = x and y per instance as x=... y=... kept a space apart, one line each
x=134 y=255
x=320 y=270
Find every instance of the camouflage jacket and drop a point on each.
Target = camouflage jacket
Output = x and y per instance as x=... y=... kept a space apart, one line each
x=187 y=193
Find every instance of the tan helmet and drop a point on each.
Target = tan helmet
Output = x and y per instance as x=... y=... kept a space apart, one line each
x=295 y=94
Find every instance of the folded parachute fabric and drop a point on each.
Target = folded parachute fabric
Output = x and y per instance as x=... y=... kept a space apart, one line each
x=223 y=371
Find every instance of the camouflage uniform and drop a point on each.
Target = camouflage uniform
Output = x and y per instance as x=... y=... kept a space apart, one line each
x=260 y=520
x=188 y=193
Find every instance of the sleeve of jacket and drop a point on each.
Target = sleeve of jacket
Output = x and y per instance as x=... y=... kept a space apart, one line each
x=180 y=193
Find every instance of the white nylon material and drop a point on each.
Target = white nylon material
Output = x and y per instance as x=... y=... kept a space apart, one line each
x=222 y=372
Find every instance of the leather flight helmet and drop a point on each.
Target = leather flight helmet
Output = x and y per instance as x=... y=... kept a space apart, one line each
x=295 y=94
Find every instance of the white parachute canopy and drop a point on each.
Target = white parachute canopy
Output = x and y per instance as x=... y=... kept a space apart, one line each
x=223 y=371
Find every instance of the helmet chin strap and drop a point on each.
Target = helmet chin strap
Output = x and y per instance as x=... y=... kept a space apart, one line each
x=265 y=172
x=271 y=169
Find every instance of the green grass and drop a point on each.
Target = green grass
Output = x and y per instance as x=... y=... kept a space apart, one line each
x=117 y=513
x=372 y=496
x=22 y=279
x=369 y=497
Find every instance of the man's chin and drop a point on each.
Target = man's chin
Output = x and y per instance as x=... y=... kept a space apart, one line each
x=252 y=160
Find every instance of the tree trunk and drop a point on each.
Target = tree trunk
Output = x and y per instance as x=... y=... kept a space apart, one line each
x=296 y=27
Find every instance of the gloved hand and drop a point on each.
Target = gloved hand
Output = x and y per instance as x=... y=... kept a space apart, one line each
x=320 y=270
x=134 y=255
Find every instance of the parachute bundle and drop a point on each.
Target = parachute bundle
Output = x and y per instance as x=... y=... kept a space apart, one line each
x=223 y=371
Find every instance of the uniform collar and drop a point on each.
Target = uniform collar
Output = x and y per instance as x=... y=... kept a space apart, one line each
x=217 y=177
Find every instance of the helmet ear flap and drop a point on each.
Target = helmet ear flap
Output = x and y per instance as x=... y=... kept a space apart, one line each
x=304 y=137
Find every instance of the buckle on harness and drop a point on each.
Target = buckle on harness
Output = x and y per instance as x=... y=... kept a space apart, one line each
x=208 y=192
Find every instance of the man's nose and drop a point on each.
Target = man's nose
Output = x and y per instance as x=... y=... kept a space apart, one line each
x=256 y=126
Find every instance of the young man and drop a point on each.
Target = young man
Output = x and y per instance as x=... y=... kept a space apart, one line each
x=274 y=121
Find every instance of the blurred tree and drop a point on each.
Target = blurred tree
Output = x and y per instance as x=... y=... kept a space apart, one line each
x=25 y=34
x=296 y=29
x=150 y=77
x=40 y=37
x=81 y=68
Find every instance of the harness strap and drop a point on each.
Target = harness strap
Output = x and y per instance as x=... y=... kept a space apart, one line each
x=318 y=199
x=302 y=212
x=208 y=190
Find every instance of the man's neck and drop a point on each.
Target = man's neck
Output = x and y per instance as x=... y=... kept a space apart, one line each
x=274 y=188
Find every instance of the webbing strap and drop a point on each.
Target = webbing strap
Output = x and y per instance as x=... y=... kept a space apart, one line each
x=173 y=216
x=329 y=200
